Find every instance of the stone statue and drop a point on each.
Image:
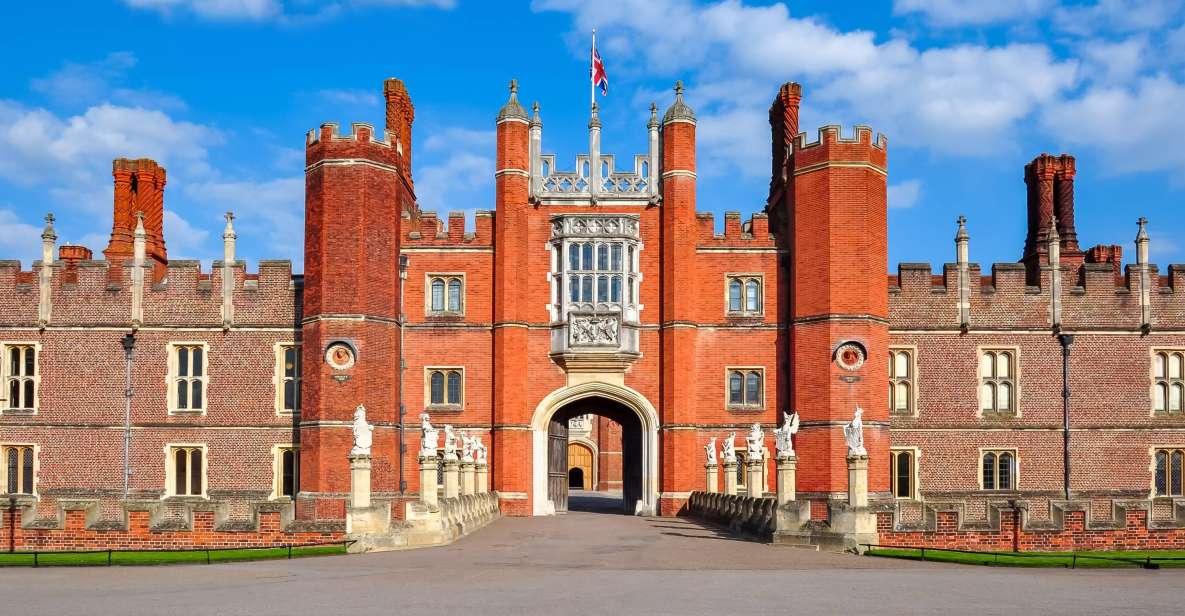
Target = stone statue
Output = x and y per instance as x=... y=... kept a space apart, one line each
x=481 y=453
x=363 y=433
x=784 y=436
x=430 y=438
x=466 y=448
x=853 y=433
x=729 y=451
x=710 y=448
x=450 y=443
x=755 y=443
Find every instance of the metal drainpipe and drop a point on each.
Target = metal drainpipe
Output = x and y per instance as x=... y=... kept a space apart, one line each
x=129 y=345
x=1066 y=340
x=402 y=409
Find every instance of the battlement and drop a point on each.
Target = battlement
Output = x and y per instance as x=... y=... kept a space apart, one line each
x=429 y=230
x=752 y=233
x=93 y=292
x=361 y=143
x=1092 y=296
x=832 y=134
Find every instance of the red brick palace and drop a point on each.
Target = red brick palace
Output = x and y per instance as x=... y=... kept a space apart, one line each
x=148 y=403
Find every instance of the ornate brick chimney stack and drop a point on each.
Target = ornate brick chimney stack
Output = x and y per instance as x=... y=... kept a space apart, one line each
x=139 y=187
x=783 y=124
x=1050 y=181
x=400 y=116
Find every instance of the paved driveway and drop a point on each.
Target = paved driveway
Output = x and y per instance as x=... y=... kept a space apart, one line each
x=587 y=563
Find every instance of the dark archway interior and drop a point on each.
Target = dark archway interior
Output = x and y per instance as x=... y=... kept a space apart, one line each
x=576 y=479
x=631 y=450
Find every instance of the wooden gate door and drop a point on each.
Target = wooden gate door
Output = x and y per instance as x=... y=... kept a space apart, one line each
x=557 y=463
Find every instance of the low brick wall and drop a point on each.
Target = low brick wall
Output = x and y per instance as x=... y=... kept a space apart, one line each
x=1069 y=528
x=140 y=534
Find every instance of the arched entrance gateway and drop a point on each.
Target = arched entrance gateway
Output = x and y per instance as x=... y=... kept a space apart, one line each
x=639 y=444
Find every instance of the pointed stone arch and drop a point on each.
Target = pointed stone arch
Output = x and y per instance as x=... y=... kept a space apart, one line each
x=627 y=398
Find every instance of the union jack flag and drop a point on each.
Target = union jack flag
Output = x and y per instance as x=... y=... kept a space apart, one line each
x=599 y=78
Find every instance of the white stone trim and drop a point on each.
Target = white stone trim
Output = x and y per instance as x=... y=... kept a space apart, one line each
x=171 y=376
x=4 y=376
x=278 y=377
x=171 y=469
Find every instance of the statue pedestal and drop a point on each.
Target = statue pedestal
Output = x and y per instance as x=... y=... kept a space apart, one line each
x=730 y=478
x=755 y=483
x=452 y=482
x=359 y=481
x=428 y=480
x=467 y=479
x=852 y=523
x=712 y=477
x=483 y=478
x=786 y=469
x=361 y=517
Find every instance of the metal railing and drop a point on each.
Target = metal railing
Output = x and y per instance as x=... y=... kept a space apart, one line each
x=113 y=555
x=1145 y=561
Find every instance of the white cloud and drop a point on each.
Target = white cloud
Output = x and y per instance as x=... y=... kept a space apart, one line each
x=18 y=240
x=972 y=12
x=1135 y=128
x=967 y=99
x=1114 y=62
x=262 y=10
x=1116 y=16
x=80 y=85
x=183 y=240
x=352 y=98
x=270 y=212
x=458 y=174
x=904 y=194
x=72 y=155
x=214 y=9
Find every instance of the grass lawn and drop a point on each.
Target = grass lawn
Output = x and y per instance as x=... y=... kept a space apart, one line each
x=128 y=557
x=1041 y=559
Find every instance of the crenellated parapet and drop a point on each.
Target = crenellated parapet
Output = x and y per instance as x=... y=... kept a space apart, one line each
x=1099 y=293
x=327 y=146
x=752 y=233
x=832 y=147
x=428 y=230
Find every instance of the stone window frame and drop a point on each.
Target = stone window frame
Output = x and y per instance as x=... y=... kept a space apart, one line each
x=745 y=371
x=170 y=450
x=171 y=376
x=911 y=381
x=915 y=454
x=447 y=278
x=559 y=276
x=447 y=405
x=1015 y=468
x=4 y=449
x=278 y=378
x=1152 y=471
x=5 y=369
x=1013 y=381
x=1168 y=381
x=744 y=278
x=278 y=470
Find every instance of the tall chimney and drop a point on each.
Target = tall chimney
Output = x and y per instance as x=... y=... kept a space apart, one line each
x=1050 y=196
x=400 y=115
x=139 y=187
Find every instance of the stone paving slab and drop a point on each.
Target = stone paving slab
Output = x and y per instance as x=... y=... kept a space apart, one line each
x=587 y=563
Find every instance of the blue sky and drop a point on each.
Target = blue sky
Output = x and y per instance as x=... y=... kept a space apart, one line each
x=222 y=92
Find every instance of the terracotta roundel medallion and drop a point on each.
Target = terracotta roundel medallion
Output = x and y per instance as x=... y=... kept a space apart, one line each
x=850 y=356
x=339 y=356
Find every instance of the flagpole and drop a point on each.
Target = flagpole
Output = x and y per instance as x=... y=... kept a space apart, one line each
x=592 y=63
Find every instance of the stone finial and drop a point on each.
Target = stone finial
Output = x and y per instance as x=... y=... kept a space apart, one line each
x=961 y=235
x=512 y=109
x=229 y=231
x=594 y=120
x=48 y=233
x=535 y=119
x=679 y=111
x=140 y=233
x=1142 y=241
x=653 y=123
